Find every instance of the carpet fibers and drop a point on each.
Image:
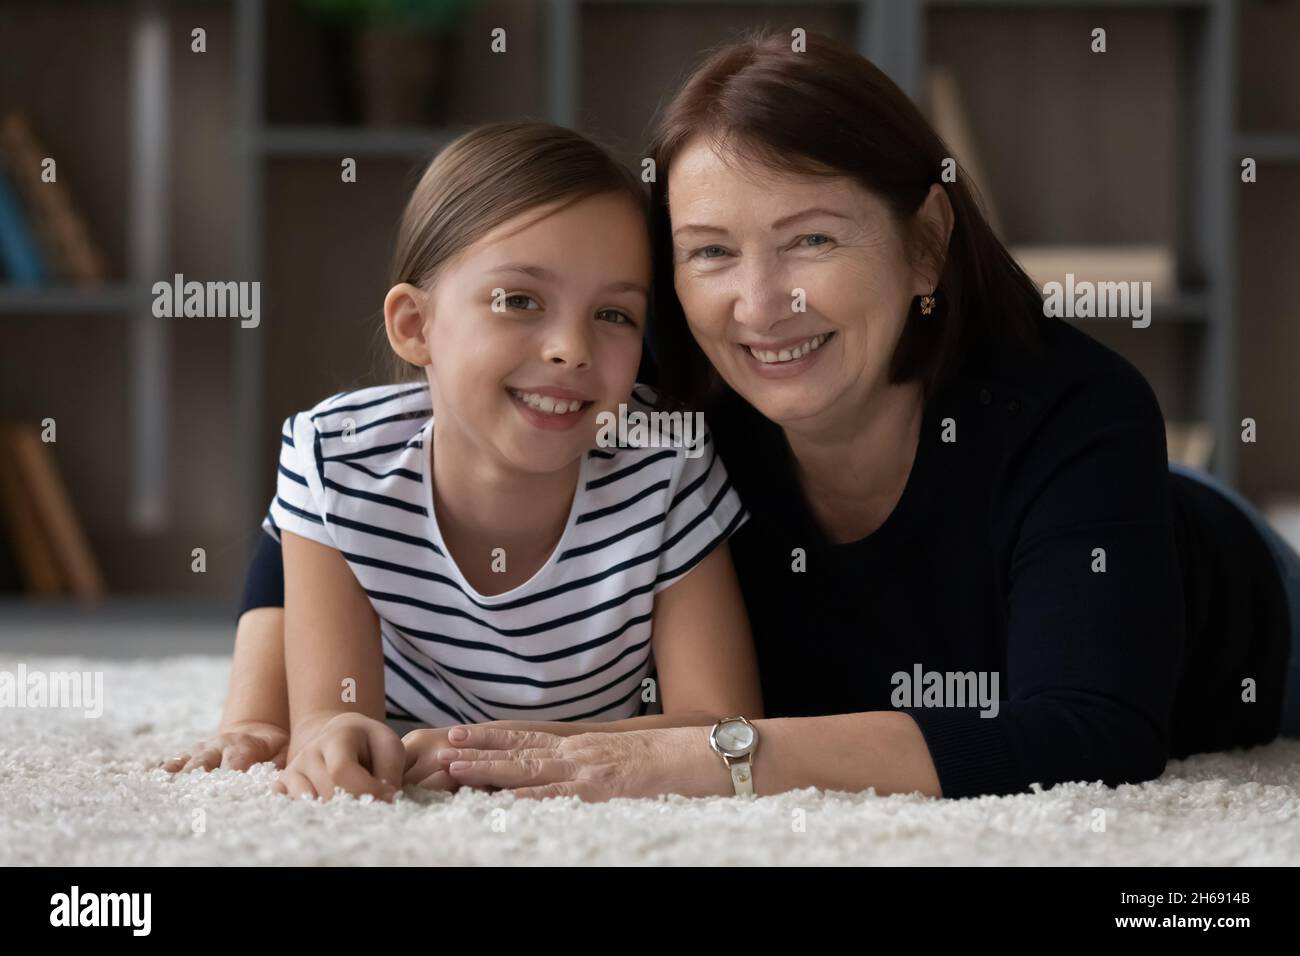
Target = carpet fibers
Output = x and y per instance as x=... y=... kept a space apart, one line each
x=78 y=791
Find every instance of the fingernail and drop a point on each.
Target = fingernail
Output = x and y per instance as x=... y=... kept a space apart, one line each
x=457 y=733
x=447 y=754
x=460 y=765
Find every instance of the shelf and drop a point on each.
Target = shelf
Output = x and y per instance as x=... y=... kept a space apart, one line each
x=70 y=300
x=1190 y=309
x=338 y=141
x=1270 y=147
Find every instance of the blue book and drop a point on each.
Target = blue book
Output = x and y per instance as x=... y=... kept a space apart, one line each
x=18 y=249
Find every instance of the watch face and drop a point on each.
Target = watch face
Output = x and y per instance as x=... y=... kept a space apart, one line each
x=735 y=737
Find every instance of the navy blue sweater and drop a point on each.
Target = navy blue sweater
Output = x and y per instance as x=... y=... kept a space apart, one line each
x=988 y=563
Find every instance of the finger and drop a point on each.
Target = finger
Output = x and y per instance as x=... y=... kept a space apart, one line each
x=281 y=756
x=387 y=756
x=241 y=756
x=438 y=780
x=545 y=792
x=510 y=773
x=343 y=763
x=204 y=759
x=422 y=764
x=487 y=737
x=173 y=764
x=294 y=785
x=448 y=754
x=356 y=780
x=312 y=766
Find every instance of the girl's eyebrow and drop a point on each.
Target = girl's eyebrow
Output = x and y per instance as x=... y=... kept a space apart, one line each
x=546 y=275
x=537 y=272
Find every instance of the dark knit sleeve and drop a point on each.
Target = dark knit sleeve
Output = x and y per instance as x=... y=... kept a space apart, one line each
x=264 y=581
x=1095 y=615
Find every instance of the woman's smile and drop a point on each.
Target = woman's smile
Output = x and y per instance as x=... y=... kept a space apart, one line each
x=785 y=359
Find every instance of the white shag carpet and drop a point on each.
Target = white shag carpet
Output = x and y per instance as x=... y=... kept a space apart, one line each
x=77 y=791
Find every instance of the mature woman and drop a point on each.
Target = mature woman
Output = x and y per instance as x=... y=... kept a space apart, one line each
x=943 y=482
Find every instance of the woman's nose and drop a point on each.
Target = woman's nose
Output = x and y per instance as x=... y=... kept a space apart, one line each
x=760 y=299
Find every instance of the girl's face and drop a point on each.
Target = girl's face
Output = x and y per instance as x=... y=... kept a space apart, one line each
x=536 y=328
x=796 y=288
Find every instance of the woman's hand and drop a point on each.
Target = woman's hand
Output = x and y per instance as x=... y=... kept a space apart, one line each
x=590 y=766
x=358 y=753
x=236 y=746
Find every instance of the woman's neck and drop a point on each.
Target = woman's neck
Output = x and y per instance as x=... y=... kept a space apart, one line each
x=853 y=463
x=482 y=505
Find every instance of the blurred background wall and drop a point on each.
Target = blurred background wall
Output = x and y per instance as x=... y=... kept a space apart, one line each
x=167 y=429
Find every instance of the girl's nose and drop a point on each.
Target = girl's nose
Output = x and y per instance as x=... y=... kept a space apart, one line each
x=568 y=345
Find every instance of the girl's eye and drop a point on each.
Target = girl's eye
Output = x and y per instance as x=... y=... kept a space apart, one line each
x=521 y=301
x=615 y=316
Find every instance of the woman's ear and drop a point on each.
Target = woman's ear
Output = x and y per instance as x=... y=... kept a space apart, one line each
x=933 y=222
x=406 y=314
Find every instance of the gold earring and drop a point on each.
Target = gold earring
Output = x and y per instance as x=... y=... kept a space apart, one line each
x=927 y=304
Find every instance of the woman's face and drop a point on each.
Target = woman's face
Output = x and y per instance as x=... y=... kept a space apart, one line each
x=535 y=329
x=796 y=288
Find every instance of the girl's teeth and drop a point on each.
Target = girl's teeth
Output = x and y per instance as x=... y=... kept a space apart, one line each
x=544 y=403
x=789 y=355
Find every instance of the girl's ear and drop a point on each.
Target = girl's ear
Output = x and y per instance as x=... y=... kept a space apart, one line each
x=407 y=310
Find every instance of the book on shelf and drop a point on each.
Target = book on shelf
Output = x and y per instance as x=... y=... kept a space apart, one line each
x=1190 y=443
x=68 y=248
x=949 y=119
x=1154 y=263
x=45 y=536
x=20 y=256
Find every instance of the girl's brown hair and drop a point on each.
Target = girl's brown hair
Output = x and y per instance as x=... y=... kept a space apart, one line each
x=487 y=177
x=827 y=111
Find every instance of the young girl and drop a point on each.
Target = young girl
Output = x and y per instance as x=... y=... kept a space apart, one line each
x=459 y=550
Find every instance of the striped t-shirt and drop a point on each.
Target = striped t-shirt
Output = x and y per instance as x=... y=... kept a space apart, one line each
x=571 y=643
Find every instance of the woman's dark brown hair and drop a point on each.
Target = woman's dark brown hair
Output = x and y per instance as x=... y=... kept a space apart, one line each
x=827 y=111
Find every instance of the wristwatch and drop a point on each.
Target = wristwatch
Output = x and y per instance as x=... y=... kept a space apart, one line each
x=735 y=739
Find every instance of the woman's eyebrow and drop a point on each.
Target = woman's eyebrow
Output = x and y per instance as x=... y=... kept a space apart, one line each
x=783 y=221
x=807 y=213
x=698 y=227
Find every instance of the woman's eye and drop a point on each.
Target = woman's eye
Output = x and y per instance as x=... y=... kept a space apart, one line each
x=614 y=316
x=815 y=239
x=709 y=252
x=521 y=301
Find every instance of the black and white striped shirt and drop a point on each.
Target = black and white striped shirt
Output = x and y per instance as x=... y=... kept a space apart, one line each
x=571 y=643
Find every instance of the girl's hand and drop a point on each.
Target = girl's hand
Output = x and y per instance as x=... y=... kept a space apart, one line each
x=358 y=753
x=236 y=746
x=591 y=766
x=423 y=768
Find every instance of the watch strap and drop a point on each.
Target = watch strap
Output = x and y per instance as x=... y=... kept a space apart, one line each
x=742 y=777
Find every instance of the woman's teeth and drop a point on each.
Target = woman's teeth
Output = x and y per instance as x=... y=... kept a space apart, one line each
x=769 y=357
x=544 y=403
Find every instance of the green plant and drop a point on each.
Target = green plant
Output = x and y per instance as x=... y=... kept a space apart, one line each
x=432 y=15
